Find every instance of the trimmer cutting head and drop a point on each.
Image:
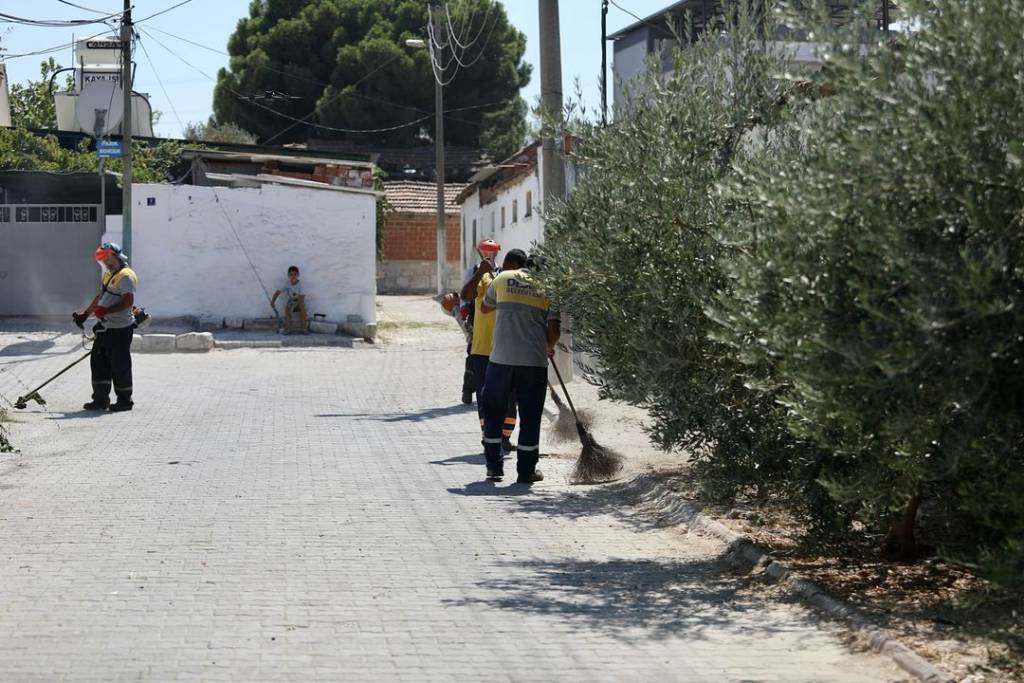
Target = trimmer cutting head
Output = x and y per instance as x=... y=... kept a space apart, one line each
x=22 y=401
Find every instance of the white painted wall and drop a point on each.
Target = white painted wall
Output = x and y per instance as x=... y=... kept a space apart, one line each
x=190 y=263
x=519 y=234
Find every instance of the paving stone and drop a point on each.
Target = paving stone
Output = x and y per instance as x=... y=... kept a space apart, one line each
x=320 y=514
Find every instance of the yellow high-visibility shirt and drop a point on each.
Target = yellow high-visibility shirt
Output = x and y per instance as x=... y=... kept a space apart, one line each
x=483 y=323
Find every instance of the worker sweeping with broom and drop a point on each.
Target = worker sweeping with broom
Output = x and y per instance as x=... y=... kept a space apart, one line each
x=111 y=358
x=526 y=330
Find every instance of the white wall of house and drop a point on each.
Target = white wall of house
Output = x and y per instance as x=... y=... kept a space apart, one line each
x=523 y=225
x=191 y=264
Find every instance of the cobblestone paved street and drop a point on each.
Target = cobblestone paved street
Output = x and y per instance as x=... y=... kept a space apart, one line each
x=320 y=514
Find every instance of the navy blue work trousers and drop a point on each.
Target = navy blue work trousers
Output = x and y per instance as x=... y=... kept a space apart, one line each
x=530 y=387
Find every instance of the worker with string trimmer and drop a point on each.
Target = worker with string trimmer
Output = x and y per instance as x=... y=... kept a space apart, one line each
x=111 y=358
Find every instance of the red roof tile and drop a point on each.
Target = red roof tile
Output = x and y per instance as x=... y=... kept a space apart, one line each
x=411 y=196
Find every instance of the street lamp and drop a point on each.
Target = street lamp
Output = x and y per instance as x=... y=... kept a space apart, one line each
x=419 y=44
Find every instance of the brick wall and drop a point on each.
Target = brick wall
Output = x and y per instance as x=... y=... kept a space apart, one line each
x=413 y=237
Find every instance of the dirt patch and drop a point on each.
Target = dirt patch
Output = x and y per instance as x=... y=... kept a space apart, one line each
x=941 y=610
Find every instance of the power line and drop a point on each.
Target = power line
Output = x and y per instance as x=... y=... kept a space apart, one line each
x=640 y=19
x=47 y=50
x=245 y=251
x=161 y=83
x=87 y=9
x=326 y=85
x=295 y=120
x=55 y=23
x=163 y=11
x=628 y=12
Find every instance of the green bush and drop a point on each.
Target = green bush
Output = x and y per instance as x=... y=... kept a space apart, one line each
x=881 y=273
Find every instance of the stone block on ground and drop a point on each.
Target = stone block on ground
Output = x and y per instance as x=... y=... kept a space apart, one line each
x=365 y=331
x=210 y=325
x=323 y=327
x=158 y=343
x=136 y=343
x=194 y=341
x=234 y=323
x=262 y=324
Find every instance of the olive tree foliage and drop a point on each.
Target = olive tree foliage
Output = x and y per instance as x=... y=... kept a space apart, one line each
x=816 y=287
x=881 y=272
x=634 y=255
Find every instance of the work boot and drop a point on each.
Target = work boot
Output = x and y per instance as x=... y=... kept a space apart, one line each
x=121 y=406
x=96 y=405
x=531 y=478
x=494 y=475
x=467 y=397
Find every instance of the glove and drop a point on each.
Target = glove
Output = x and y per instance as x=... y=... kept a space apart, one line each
x=79 y=318
x=100 y=312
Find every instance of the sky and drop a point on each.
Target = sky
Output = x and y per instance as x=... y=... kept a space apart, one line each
x=189 y=93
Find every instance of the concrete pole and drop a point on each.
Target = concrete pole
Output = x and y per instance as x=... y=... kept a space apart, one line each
x=126 y=128
x=439 y=150
x=553 y=149
x=552 y=166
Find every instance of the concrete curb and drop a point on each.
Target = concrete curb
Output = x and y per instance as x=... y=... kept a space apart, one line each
x=289 y=343
x=678 y=511
x=235 y=344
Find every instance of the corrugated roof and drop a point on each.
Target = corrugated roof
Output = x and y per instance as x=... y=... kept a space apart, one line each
x=411 y=196
x=226 y=155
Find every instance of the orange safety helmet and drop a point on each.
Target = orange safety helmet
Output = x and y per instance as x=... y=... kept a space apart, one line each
x=108 y=249
x=489 y=247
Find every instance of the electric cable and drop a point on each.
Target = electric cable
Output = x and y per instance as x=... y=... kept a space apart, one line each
x=245 y=251
x=47 y=50
x=296 y=120
x=323 y=84
x=170 y=101
x=483 y=48
x=55 y=23
x=87 y=9
x=451 y=28
x=163 y=11
x=640 y=19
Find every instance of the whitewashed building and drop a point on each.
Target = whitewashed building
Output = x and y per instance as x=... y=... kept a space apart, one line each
x=502 y=202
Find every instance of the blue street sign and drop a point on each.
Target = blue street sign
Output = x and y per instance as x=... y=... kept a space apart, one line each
x=108 y=149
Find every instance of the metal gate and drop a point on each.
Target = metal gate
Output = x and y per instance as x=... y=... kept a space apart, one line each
x=46 y=265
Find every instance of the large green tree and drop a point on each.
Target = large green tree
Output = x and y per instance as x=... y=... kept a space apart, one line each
x=346 y=63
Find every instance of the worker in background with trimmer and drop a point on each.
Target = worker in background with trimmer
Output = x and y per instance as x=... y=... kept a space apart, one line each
x=526 y=330
x=111 y=359
x=483 y=335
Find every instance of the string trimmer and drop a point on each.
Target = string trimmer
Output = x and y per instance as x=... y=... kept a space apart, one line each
x=142 y=319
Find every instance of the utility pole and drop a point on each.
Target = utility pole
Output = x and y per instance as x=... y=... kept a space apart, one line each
x=553 y=167
x=126 y=128
x=553 y=148
x=604 y=62
x=439 y=150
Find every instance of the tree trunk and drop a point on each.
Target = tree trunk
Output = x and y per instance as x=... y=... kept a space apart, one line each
x=900 y=545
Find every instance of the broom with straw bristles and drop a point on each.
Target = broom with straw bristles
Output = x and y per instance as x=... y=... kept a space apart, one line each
x=564 y=427
x=596 y=463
